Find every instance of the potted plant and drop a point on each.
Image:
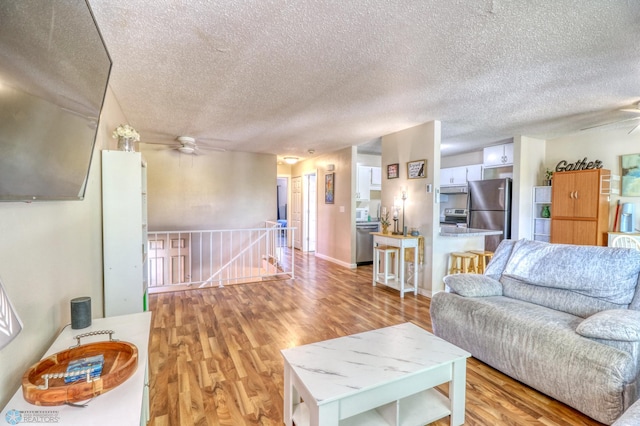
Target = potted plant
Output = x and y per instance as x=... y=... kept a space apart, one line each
x=384 y=221
x=547 y=177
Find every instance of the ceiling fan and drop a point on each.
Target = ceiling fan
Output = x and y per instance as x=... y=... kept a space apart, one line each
x=187 y=145
x=635 y=109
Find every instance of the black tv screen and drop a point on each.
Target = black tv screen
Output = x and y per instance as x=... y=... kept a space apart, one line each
x=54 y=71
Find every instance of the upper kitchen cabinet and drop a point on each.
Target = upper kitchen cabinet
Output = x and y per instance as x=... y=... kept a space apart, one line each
x=580 y=213
x=368 y=179
x=363 y=183
x=498 y=155
x=376 y=178
x=460 y=175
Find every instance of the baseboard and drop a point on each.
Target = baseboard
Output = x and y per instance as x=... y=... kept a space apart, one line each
x=336 y=261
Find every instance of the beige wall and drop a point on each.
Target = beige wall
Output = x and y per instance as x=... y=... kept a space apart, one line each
x=216 y=190
x=416 y=143
x=51 y=252
x=336 y=222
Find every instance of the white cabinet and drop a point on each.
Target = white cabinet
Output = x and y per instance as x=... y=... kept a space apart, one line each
x=541 y=228
x=498 y=155
x=125 y=405
x=363 y=183
x=376 y=178
x=124 y=230
x=460 y=175
x=474 y=172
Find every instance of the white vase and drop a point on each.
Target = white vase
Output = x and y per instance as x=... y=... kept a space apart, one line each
x=126 y=144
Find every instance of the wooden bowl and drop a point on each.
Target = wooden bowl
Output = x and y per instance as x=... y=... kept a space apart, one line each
x=120 y=362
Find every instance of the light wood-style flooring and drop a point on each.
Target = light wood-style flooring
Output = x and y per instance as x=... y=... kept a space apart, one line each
x=215 y=353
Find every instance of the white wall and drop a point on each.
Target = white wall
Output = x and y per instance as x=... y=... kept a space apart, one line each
x=51 y=252
x=528 y=171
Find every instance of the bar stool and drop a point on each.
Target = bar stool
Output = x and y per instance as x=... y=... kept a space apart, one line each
x=463 y=263
x=484 y=257
x=389 y=254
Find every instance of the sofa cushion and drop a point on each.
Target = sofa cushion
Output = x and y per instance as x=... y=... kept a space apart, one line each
x=615 y=324
x=598 y=273
x=555 y=298
x=473 y=285
x=500 y=258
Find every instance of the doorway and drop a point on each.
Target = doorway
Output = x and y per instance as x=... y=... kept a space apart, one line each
x=310 y=212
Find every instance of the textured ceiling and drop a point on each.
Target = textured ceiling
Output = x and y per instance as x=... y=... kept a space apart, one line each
x=286 y=76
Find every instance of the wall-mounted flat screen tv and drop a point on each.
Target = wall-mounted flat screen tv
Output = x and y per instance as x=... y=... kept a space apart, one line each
x=54 y=71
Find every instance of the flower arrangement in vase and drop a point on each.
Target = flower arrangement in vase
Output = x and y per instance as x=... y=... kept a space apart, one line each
x=127 y=136
x=384 y=221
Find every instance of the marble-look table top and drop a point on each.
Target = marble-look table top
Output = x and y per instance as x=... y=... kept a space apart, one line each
x=334 y=368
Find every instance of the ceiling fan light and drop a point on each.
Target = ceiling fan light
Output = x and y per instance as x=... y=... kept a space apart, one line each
x=291 y=160
x=186 y=149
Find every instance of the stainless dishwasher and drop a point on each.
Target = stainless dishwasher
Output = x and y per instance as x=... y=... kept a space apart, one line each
x=364 y=242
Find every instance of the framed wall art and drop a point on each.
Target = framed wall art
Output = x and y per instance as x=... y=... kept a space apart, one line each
x=631 y=175
x=329 y=188
x=417 y=169
x=393 y=171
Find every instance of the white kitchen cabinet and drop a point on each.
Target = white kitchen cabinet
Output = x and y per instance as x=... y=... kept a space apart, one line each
x=541 y=227
x=474 y=172
x=498 y=155
x=376 y=178
x=460 y=175
x=363 y=183
x=124 y=229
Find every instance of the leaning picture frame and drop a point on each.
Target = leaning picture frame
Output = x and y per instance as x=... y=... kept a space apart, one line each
x=393 y=171
x=630 y=165
x=417 y=169
x=329 y=188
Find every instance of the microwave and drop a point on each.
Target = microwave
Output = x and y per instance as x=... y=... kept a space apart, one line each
x=362 y=214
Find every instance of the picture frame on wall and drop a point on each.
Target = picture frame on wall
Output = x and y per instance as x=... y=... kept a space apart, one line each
x=417 y=169
x=329 y=188
x=631 y=175
x=393 y=171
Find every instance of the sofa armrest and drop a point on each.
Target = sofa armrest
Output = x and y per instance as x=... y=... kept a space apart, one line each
x=473 y=285
x=631 y=417
x=612 y=324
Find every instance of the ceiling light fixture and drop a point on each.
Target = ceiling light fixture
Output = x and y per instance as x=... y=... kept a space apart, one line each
x=291 y=160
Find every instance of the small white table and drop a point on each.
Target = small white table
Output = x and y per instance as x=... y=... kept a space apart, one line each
x=380 y=377
x=126 y=404
x=402 y=243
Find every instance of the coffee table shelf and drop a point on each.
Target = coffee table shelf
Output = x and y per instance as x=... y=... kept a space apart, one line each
x=421 y=408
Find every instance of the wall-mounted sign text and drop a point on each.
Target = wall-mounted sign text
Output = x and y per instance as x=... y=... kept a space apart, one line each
x=583 y=164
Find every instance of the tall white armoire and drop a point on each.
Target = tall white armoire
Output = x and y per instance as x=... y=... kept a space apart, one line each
x=124 y=232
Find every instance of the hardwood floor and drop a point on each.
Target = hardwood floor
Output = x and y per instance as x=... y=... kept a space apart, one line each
x=215 y=353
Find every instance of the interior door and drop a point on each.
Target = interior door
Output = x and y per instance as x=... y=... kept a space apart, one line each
x=310 y=212
x=296 y=211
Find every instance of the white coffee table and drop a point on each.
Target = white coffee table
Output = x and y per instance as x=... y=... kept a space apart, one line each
x=380 y=377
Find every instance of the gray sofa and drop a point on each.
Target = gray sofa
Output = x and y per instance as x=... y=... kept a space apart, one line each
x=563 y=319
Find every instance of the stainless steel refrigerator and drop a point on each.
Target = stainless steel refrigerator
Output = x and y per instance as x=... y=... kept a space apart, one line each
x=489 y=205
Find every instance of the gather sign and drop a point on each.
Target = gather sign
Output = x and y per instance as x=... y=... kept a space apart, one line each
x=564 y=166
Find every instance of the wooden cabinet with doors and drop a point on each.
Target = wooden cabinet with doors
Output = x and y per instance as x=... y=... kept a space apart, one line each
x=580 y=213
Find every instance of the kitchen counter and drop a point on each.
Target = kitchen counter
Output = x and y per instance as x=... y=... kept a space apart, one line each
x=454 y=231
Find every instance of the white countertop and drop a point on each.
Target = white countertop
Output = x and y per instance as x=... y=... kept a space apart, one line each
x=454 y=231
x=122 y=405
